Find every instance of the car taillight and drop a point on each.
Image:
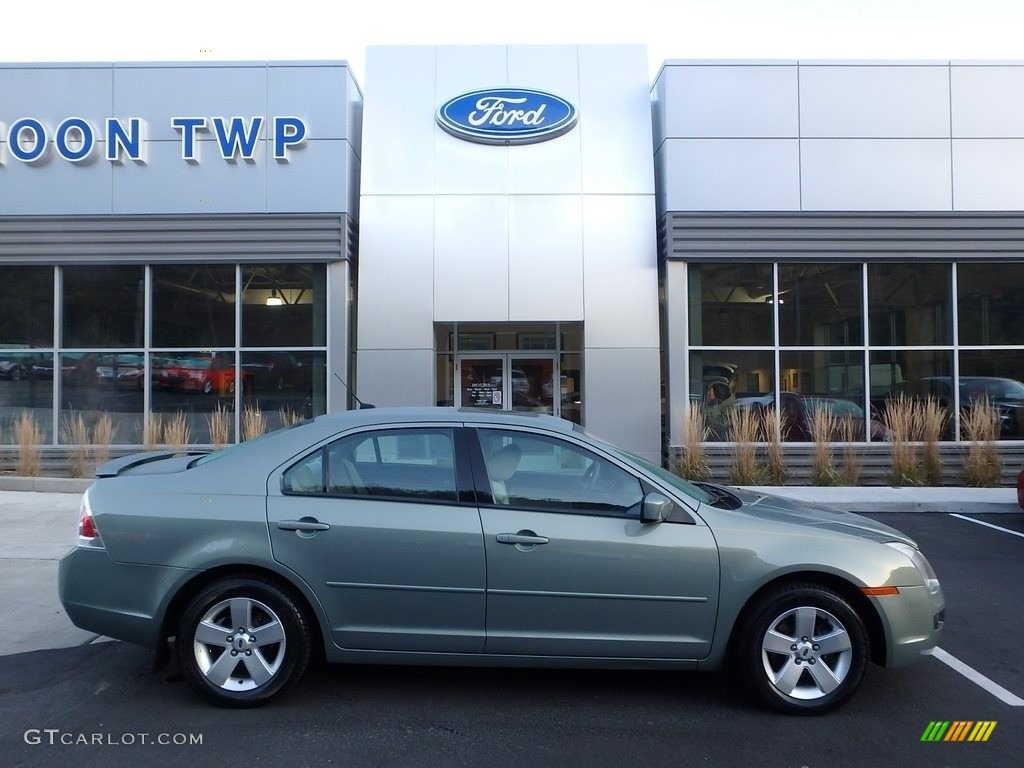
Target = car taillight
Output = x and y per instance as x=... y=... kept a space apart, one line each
x=88 y=533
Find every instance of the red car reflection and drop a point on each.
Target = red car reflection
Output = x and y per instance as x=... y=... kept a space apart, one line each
x=209 y=375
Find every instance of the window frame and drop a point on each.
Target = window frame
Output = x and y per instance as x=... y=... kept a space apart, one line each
x=483 y=484
x=464 y=492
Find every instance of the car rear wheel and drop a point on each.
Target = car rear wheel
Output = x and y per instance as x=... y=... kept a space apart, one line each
x=243 y=641
x=804 y=649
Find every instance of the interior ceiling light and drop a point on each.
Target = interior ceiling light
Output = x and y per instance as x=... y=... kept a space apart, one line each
x=273 y=300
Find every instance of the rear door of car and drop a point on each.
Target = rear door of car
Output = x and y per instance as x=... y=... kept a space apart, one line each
x=572 y=570
x=384 y=526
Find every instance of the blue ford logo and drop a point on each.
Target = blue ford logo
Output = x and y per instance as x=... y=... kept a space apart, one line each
x=506 y=116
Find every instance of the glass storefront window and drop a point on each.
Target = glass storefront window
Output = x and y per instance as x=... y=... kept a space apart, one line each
x=820 y=305
x=721 y=381
x=26 y=307
x=990 y=301
x=103 y=306
x=194 y=305
x=731 y=304
x=913 y=373
x=909 y=304
x=997 y=375
x=97 y=383
x=285 y=386
x=26 y=384
x=832 y=380
x=197 y=384
x=284 y=305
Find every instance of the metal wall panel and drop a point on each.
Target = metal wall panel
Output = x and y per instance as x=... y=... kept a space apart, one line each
x=387 y=377
x=620 y=272
x=319 y=94
x=986 y=101
x=675 y=343
x=730 y=175
x=315 y=179
x=470 y=258
x=876 y=174
x=159 y=239
x=874 y=101
x=545 y=258
x=549 y=167
x=398 y=131
x=52 y=93
x=396 y=298
x=622 y=398
x=730 y=101
x=158 y=93
x=843 y=236
x=615 y=121
x=74 y=188
x=988 y=174
x=462 y=167
x=167 y=184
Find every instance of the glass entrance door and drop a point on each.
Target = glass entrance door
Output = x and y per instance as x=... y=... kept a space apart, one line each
x=508 y=381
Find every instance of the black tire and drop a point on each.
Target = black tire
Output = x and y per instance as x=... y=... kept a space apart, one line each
x=265 y=667
x=207 y=387
x=783 y=659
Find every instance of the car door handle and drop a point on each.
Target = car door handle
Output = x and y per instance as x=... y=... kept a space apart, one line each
x=306 y=525
x=523 y=537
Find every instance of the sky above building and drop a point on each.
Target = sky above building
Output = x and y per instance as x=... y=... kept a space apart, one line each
x=129 y=30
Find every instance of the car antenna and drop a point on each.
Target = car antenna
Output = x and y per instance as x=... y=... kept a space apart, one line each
x=348 y=389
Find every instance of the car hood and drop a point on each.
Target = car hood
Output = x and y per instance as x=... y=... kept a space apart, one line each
x=768 y=507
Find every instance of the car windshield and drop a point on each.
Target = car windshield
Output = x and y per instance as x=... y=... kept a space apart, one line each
x=835 y=407
x=993 y=388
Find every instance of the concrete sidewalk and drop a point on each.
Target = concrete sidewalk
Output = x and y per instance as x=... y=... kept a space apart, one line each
x=40 y=528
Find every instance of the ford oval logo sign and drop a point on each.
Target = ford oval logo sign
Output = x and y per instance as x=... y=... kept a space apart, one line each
x=506 y=116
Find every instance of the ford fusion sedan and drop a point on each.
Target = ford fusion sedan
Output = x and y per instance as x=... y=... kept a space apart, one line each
x=461 y=537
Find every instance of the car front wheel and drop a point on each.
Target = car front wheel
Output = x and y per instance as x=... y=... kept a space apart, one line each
x=243 y=641
x=804 y=649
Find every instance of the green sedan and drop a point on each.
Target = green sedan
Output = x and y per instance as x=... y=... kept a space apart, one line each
x=461 y=537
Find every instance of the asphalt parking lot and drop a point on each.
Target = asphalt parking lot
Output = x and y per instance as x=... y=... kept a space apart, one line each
x=107 y=694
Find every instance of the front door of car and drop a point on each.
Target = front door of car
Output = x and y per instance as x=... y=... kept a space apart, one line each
x=376 y=525
x=572 y=570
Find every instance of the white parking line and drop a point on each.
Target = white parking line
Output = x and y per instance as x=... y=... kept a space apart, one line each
x=977 y=678
x=987 y=525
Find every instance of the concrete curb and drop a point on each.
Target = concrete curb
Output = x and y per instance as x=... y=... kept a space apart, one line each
x=45 y=484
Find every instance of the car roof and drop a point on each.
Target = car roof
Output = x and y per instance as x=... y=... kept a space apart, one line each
x=406 y=415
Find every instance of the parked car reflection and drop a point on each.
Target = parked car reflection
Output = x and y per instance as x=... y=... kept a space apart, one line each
x=209 y=375
x=1006 y=395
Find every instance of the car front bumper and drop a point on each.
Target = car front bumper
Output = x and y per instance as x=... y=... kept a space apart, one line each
x=913 y=623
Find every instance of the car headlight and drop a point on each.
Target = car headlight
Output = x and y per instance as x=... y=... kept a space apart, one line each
x=920 y=562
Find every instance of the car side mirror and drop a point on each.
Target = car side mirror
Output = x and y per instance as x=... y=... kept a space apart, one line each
x=655 y=508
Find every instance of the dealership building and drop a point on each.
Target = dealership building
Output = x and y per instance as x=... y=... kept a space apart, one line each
x=511 y=227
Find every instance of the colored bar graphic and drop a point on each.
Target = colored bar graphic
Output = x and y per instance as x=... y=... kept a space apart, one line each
x=982 y=730
x=958 y=730
x=935 y=731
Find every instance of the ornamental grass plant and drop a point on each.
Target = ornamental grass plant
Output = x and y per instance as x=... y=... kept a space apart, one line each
x=29 y=438
x=824 y=427
x=745 y=428
x=218 y=421
x=773 y=427
x=693 y=464
x=177 y=433
x=980 y=423
x=254 y=422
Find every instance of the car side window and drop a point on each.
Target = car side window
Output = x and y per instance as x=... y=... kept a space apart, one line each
x=540 y=472
x=416 y=464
